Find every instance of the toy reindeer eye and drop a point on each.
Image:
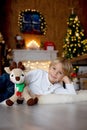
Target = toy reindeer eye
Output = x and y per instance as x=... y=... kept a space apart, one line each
x=22 y=75
x=12 y=75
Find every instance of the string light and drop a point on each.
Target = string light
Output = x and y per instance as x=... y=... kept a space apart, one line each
x=33 y=45
x=30 y=65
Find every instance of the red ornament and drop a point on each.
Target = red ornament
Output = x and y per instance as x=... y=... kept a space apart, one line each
x=73 y=75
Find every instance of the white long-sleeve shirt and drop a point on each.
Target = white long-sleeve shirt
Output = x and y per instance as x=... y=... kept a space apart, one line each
x=38 y=83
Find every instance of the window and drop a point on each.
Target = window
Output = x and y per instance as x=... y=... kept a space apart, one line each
x=31 y=21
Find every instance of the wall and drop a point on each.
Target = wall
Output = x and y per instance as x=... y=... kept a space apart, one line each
x=56 y=13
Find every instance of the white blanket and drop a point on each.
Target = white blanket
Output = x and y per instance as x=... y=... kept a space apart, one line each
x=63 y=98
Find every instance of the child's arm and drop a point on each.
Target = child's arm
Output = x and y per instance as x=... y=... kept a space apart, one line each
x=66 y=80
x=37 y=91
x=69 y=87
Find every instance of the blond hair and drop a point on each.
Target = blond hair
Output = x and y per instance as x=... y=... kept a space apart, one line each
x=66 y=65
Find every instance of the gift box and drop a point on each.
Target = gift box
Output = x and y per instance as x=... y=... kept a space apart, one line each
x=49 y=46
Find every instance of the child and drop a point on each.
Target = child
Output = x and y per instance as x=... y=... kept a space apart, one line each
x=42 y=82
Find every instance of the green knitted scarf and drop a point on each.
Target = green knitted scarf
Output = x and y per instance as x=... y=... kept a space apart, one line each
x=20 y=87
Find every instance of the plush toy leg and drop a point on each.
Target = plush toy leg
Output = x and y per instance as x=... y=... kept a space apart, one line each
x=20 y=100
x=30 y=101
x=11 y=100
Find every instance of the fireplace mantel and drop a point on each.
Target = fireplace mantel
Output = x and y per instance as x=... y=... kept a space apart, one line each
x=34 y=55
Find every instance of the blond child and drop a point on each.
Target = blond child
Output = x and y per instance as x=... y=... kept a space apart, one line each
x=43 y=83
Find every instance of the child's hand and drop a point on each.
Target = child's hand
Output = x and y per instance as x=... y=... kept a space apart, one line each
x=66 y=80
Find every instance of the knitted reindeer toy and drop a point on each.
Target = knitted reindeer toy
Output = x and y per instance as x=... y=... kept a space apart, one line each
x=17 y=76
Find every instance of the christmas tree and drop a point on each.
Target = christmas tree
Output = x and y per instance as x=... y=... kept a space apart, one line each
x=74 y=42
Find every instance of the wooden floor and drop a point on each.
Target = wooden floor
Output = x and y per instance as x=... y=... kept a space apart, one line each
x=44 y=117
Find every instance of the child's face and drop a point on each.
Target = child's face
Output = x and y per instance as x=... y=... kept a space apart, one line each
x=55 y=73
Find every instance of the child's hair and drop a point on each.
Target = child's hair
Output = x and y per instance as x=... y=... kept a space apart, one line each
x=66 y=65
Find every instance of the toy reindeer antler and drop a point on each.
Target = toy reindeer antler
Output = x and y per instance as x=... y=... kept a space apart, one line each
x=21 y=66
x=13 y=65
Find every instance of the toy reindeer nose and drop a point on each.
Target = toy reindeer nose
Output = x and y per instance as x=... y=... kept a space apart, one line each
x=17 y=78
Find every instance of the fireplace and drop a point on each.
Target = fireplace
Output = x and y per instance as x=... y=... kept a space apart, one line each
x=33 y=59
